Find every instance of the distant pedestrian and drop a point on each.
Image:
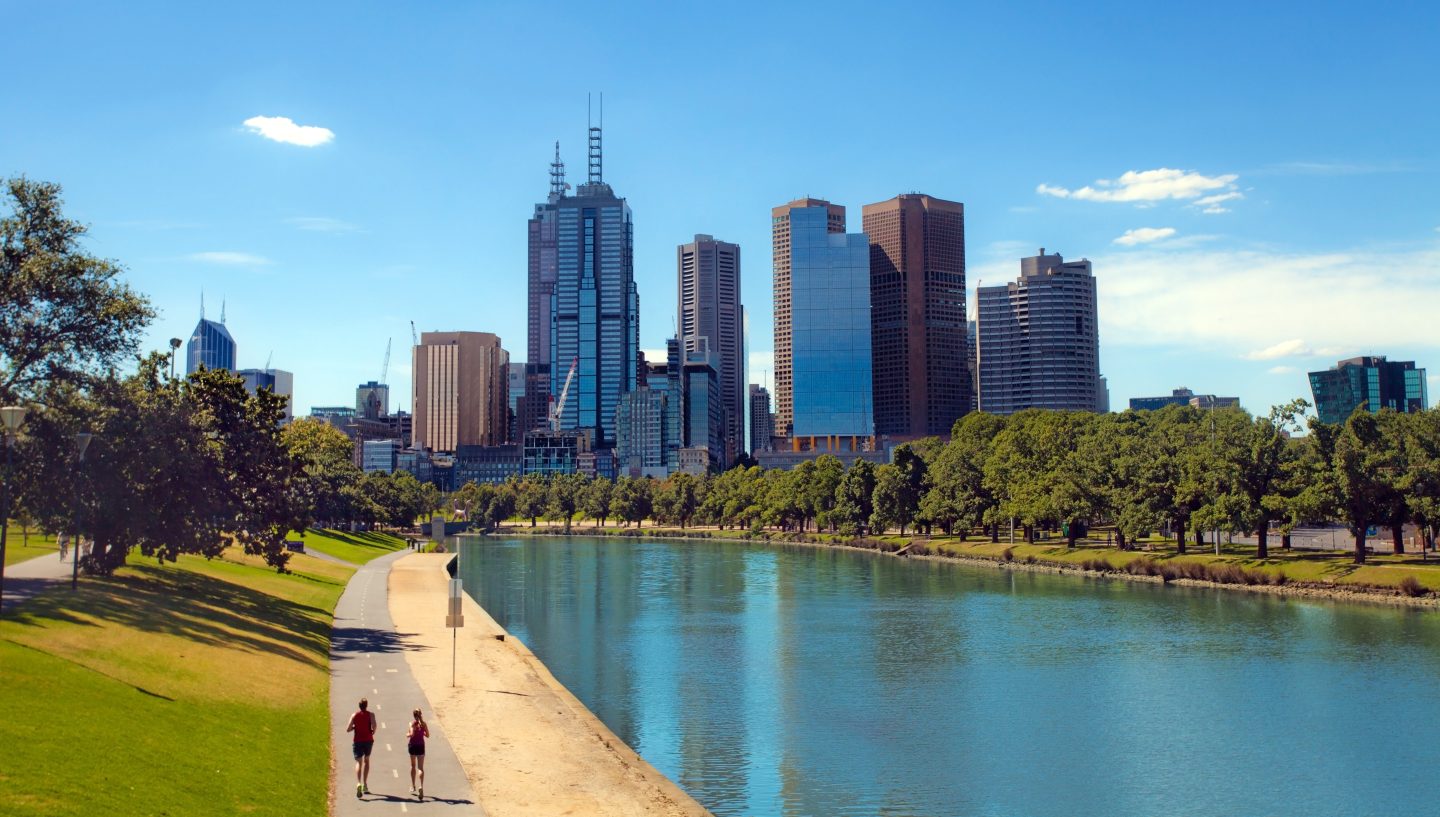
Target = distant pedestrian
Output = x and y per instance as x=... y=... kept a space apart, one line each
x=362 y=723
x=64 y=542
x=416 y=735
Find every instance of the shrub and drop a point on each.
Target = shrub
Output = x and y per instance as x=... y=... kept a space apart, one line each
x=1008 y=554
x=1226 y=574
x=1411 y=587
x=1278 y=578
x=1143 y=566
x=1029 y=558
x=919 y=549
x=1098 y=565
x=1168 y=573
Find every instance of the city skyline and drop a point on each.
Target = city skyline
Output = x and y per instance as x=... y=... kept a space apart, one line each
x=308 y=194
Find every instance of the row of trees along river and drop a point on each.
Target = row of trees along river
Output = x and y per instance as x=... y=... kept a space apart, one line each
x=187 y=465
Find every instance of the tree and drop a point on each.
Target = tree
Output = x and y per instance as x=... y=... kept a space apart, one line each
x=563 y=498
x=596 y=499
x=326 y=456
x=176 y=467
x=1421 y=483
x=630 y=500
x=854 y=499
x=898 y=486
x=1262 y=485
x=532 y=497
x=678 y=499
x=66 y=319
x=1360 y=467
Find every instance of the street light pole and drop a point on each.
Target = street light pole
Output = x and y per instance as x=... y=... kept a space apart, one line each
x=174 y=347
x=11 y=417
x=82 y=442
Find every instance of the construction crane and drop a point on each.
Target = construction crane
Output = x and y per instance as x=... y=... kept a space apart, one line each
x=385 y=367
x=564 y=393
x=414 y=338
x=268 y=358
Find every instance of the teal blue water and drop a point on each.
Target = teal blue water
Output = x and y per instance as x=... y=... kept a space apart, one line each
x=804 y=681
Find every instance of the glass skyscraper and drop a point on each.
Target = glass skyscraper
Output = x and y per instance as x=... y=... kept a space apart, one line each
x=210 y=346
x=595 y=310
x=829 y=327
x=1369 y=383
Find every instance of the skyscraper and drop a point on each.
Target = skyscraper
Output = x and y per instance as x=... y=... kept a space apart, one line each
x=544 y=265
x=372 y=400
x=460 y=387
x=1369 y=383
x=822 y=324
x=917 y=312
x=210 y=345
x=710 y=316
x=595 y=320
x=1037 y=338
x=762 y=422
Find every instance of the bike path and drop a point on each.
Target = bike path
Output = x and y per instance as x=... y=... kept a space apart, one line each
x=367 y=660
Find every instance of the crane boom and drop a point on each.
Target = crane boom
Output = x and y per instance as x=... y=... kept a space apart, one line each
x=564 y=394
x=385 y=367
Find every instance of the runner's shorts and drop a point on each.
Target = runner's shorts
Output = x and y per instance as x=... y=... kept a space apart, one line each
x=362 y=748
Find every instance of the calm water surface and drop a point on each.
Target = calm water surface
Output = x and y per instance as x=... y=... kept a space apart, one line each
x=804 y=681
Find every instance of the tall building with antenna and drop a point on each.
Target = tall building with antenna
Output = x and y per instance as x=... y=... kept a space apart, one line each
x=210 y=344
x=594 y=307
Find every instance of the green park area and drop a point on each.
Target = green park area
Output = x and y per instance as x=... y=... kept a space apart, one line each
x=198 y=687
x=356 y=548
x=23 y=544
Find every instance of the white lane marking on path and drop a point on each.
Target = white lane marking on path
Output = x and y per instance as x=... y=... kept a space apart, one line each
x=395 y=772
x=374 y=691
x=388 y=749
x=382 y=724
x=403 y=809
x=392 y=670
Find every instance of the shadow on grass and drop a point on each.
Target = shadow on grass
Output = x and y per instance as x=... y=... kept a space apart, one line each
x=88 y=668
x=191 y=606
x=367 y=539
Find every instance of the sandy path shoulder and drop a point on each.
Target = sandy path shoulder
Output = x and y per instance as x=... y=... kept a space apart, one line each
x=527 y=745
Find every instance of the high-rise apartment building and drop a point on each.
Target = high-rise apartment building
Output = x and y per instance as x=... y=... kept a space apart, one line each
x=372 y=400
x=1183 y=397
x=823 y=387
x=595 y=312
x=917 y=314
x=1369 y=383
x=781 y=237
x=1038 y=343
x=460 y=387
x=710 y=316
x=762 y=422
x=210 y=345
x=543 y=230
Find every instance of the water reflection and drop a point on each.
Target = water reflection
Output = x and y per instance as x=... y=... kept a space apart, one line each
x=803 y=681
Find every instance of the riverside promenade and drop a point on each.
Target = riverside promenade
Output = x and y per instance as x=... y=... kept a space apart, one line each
x=367 y=660
x=528 y=745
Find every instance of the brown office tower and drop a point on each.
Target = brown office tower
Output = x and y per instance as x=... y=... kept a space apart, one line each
x=780 y=241
x=711 y=318
x=917 y=314
x=460 y=390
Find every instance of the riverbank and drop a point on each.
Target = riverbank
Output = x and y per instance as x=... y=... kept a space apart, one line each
x=1321 y=576
x=529 y=747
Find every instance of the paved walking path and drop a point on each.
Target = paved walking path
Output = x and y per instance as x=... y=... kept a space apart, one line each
x=24 y=579
x=367 y=661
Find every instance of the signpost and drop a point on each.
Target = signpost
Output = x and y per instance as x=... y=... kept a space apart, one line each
x=455 y=619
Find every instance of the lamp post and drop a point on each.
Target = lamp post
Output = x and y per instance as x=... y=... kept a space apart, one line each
x=174 y=347
x=82 y=442
x=11 y=417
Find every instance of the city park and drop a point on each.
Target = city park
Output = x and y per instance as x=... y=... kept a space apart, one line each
x=190 y=611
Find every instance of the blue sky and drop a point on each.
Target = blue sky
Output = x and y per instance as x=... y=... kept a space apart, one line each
x=1281 y=207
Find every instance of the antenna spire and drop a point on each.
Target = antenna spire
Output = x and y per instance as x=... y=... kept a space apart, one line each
x=202 y=304
x=557 y=175
x=222 y=310
x=596 y=176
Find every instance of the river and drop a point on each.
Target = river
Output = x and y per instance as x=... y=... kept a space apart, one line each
x=790 y=680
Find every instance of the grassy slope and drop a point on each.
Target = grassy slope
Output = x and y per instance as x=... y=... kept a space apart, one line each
x=195 y=688
x=40 y=545
x=356 y=548
x=1382 y=569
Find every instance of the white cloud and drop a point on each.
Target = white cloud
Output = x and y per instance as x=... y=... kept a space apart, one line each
x=1144 y=235
x=1335 y=168
x=1282 y=370
x=1145 y=186
x=1211 y=204
x=284 y=129
x=1294 y=347
x=1339 y=303
x=230 y=259
x=321 y=224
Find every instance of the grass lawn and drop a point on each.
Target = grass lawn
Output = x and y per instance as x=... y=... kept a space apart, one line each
x=356 y=548
x=40 y=545
x=190 y=688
